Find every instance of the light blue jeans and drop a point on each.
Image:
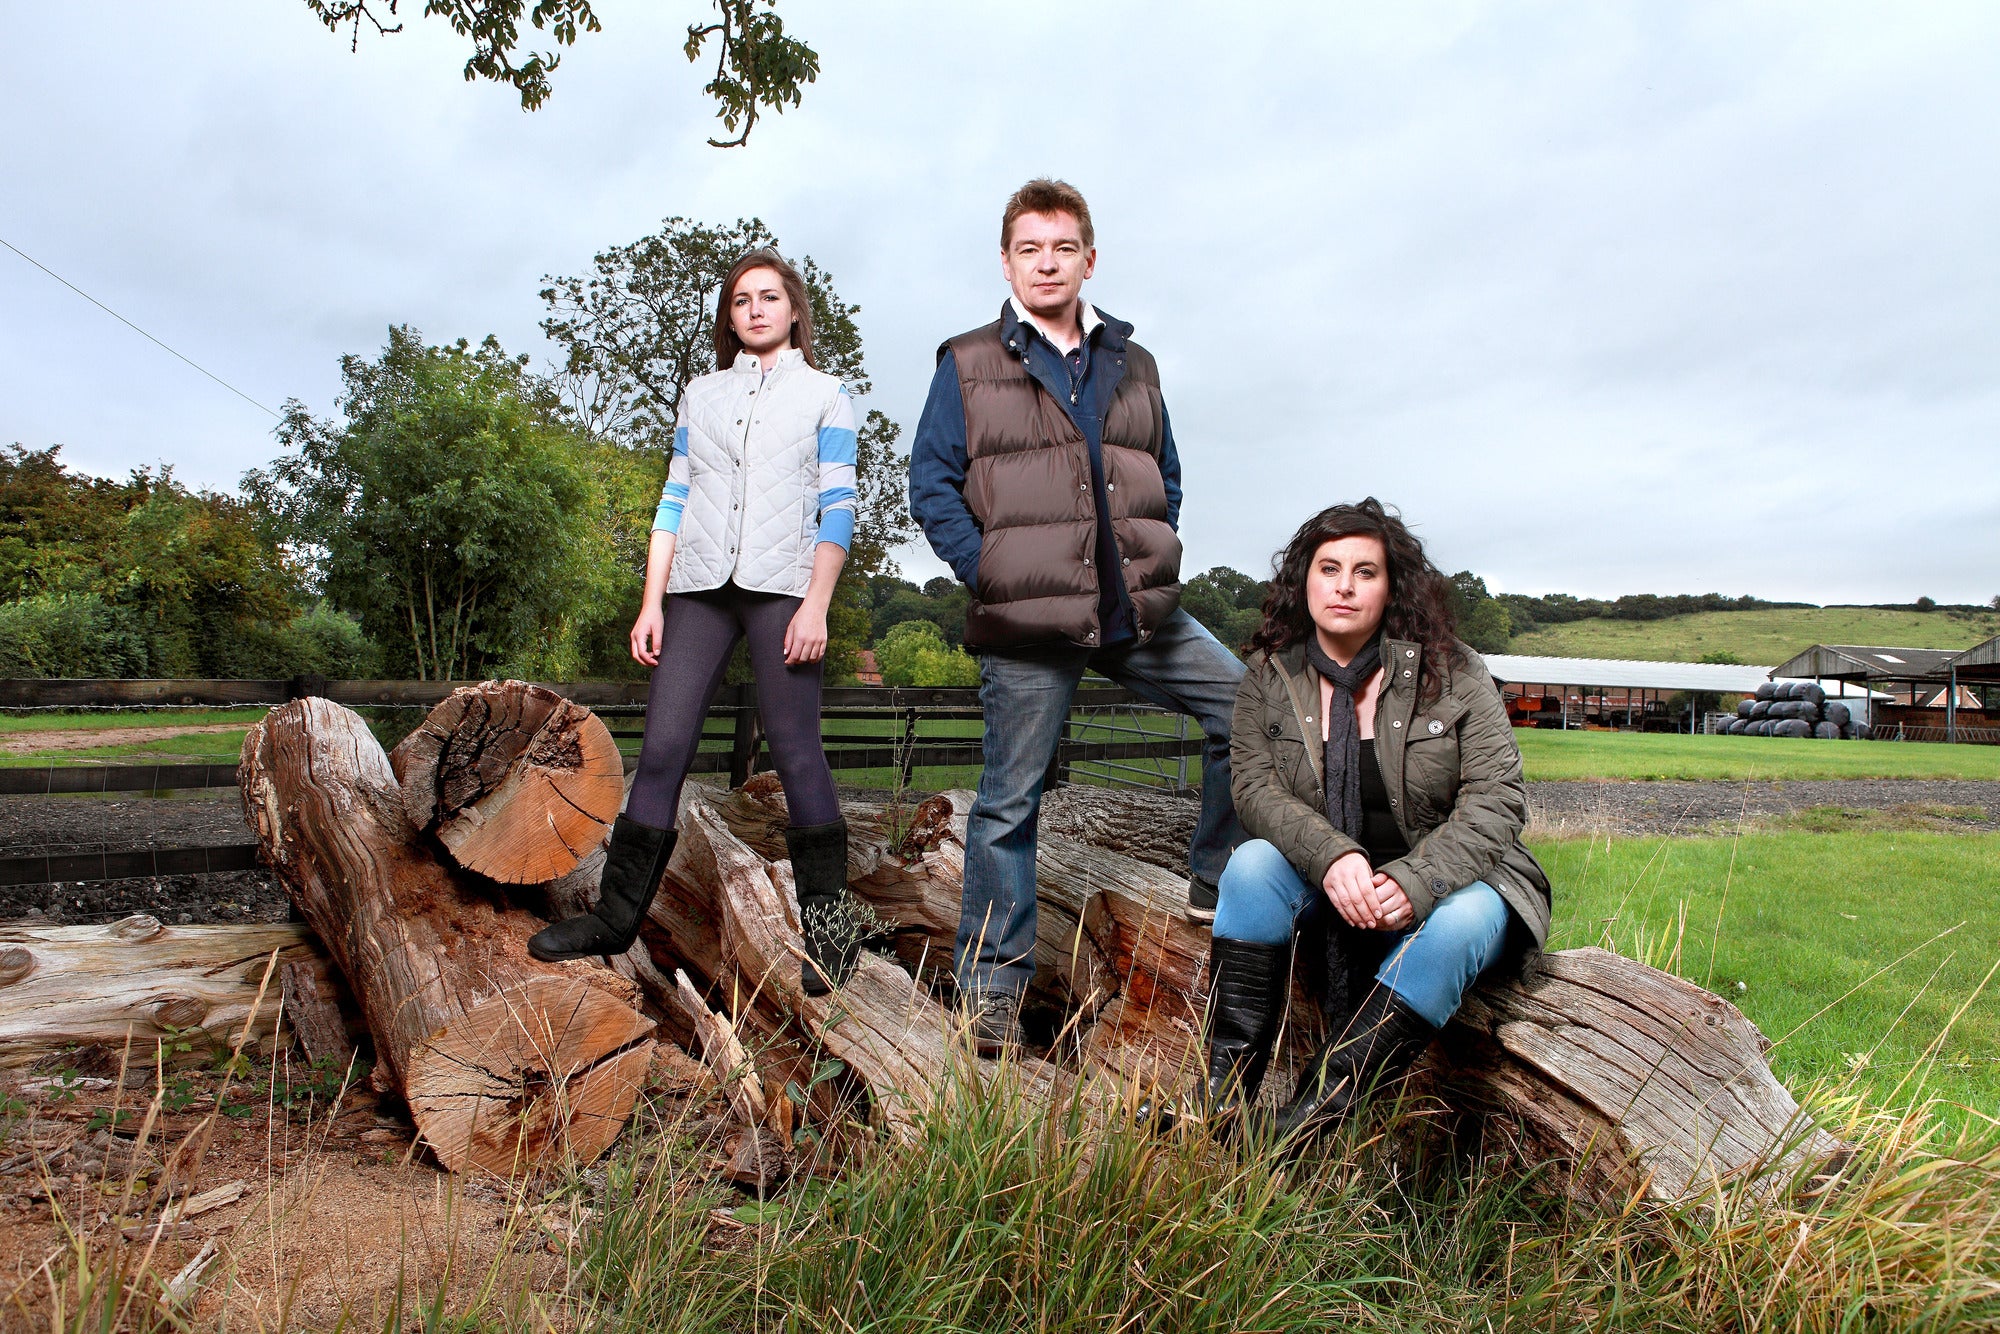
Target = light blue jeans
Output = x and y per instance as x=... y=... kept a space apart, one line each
x=1429 y=967
x=1026 y=694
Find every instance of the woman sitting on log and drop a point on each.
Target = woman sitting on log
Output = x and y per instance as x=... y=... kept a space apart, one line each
x=1376 y=769
x=752 y=530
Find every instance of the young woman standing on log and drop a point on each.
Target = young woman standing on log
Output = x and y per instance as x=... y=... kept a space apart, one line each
x=1376 y=769
x=751 y=534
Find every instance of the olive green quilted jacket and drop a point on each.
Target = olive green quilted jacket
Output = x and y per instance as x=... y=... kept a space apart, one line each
x=1452 y=770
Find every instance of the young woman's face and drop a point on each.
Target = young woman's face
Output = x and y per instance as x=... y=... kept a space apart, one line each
x=760 y=311
x=1347 y=588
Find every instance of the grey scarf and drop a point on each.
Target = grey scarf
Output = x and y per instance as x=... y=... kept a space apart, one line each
x=1352 y=955
x=1343 y=731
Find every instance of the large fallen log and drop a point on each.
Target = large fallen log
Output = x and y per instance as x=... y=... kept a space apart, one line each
x=505 y=1062
x=139 y=981
x=1631 y=1081
x=519 y=783
x=1626 y=1078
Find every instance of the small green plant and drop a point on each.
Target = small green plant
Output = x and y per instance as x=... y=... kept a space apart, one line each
x=179 y=1095
x=107 y=1118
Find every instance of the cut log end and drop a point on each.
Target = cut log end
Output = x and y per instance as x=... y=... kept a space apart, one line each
x=519 y=783
x=547 y=1070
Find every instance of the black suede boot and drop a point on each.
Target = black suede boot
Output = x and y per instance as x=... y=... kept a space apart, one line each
x=1381 y=1041
x=831 y=922
x=632 y=869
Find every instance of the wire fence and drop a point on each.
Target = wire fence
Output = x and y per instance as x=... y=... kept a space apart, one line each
x=898 y=738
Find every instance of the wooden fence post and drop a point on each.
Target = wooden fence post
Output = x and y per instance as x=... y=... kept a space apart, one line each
x=907 y=768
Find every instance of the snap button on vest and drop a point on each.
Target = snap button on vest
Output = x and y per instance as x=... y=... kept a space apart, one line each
x=1397 y=722
x=1436 y=727
x=1274 y=731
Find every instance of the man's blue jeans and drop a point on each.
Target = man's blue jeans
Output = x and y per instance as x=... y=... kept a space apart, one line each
x=1026 y=696
x=1263 y=897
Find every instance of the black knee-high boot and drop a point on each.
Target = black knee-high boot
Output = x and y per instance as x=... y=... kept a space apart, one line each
x=830 y=921
x=1246 y=1001
x=633 y=865
x=1381 y=1041
x=1244 y=1008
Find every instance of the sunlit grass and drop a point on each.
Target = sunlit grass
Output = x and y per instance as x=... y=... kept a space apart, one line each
x=1852 y=951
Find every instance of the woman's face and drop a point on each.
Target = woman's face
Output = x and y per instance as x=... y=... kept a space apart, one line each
x=760 y=311
x=1347 y=588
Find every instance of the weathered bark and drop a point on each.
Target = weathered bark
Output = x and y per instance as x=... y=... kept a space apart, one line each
x=505 y=1062
x=1629 y=1079
x=314 y=1013
x=519 y=783
x=1155 y=829
x=98 y=986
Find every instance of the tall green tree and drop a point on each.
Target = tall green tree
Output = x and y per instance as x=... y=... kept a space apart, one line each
x=452 y=511
x=636 y=329
x=1227 y=601
x=758 y=67
x=1483 y=622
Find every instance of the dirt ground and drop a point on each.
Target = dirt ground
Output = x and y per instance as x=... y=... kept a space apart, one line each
x=340 y=1208
x=37 y=742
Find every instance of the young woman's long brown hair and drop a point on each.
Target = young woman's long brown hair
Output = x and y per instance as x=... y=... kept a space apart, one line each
x=1419 y=596
x=727 y=344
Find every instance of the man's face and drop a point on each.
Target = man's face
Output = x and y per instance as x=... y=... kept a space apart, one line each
x=1046 y=263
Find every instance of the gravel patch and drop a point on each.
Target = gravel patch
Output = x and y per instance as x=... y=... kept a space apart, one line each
x=31 y=825
x=1715 y=807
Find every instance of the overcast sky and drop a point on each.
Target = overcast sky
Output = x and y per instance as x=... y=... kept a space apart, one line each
x=1608 y=298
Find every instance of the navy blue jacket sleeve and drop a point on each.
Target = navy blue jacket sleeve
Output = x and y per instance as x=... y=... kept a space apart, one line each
x=937 y=477
x=1170 y=469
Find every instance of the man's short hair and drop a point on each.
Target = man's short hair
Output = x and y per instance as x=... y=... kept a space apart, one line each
x=1045 y=196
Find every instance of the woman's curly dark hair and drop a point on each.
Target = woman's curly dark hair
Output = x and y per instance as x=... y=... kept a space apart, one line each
x=1419 y=597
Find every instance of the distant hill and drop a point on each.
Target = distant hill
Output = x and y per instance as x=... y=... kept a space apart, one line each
x=1766 y=636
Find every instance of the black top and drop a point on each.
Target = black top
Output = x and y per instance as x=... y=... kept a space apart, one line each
x=1380 y=838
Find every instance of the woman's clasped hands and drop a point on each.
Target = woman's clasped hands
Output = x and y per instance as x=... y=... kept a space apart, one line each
x=1365 y=898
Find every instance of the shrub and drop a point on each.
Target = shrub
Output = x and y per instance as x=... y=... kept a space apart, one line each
x=70 y=634
x=915 y=654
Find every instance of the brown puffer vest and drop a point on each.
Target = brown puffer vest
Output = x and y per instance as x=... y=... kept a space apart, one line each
x=1027 y=482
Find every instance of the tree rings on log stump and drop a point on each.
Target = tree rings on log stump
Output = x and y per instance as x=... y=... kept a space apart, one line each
x=554 y=1061
x=519 y=783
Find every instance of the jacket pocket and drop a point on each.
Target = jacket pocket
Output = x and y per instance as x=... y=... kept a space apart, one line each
x=1431 y=762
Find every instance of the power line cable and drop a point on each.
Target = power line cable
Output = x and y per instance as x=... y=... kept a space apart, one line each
x=133 y=327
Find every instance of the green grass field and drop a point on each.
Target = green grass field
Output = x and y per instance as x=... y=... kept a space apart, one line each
x=1763 y=637
x=1854 y=952
x=1648 y=755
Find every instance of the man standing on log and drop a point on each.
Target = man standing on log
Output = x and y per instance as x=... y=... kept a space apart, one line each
x=1044 y=473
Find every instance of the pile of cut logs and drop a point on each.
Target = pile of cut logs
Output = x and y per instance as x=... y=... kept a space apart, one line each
x=421 y=873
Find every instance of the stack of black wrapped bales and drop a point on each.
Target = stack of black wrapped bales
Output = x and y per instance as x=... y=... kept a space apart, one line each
x=1798 y=709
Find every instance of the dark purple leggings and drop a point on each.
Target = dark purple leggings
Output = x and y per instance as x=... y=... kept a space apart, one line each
x=702 y=630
